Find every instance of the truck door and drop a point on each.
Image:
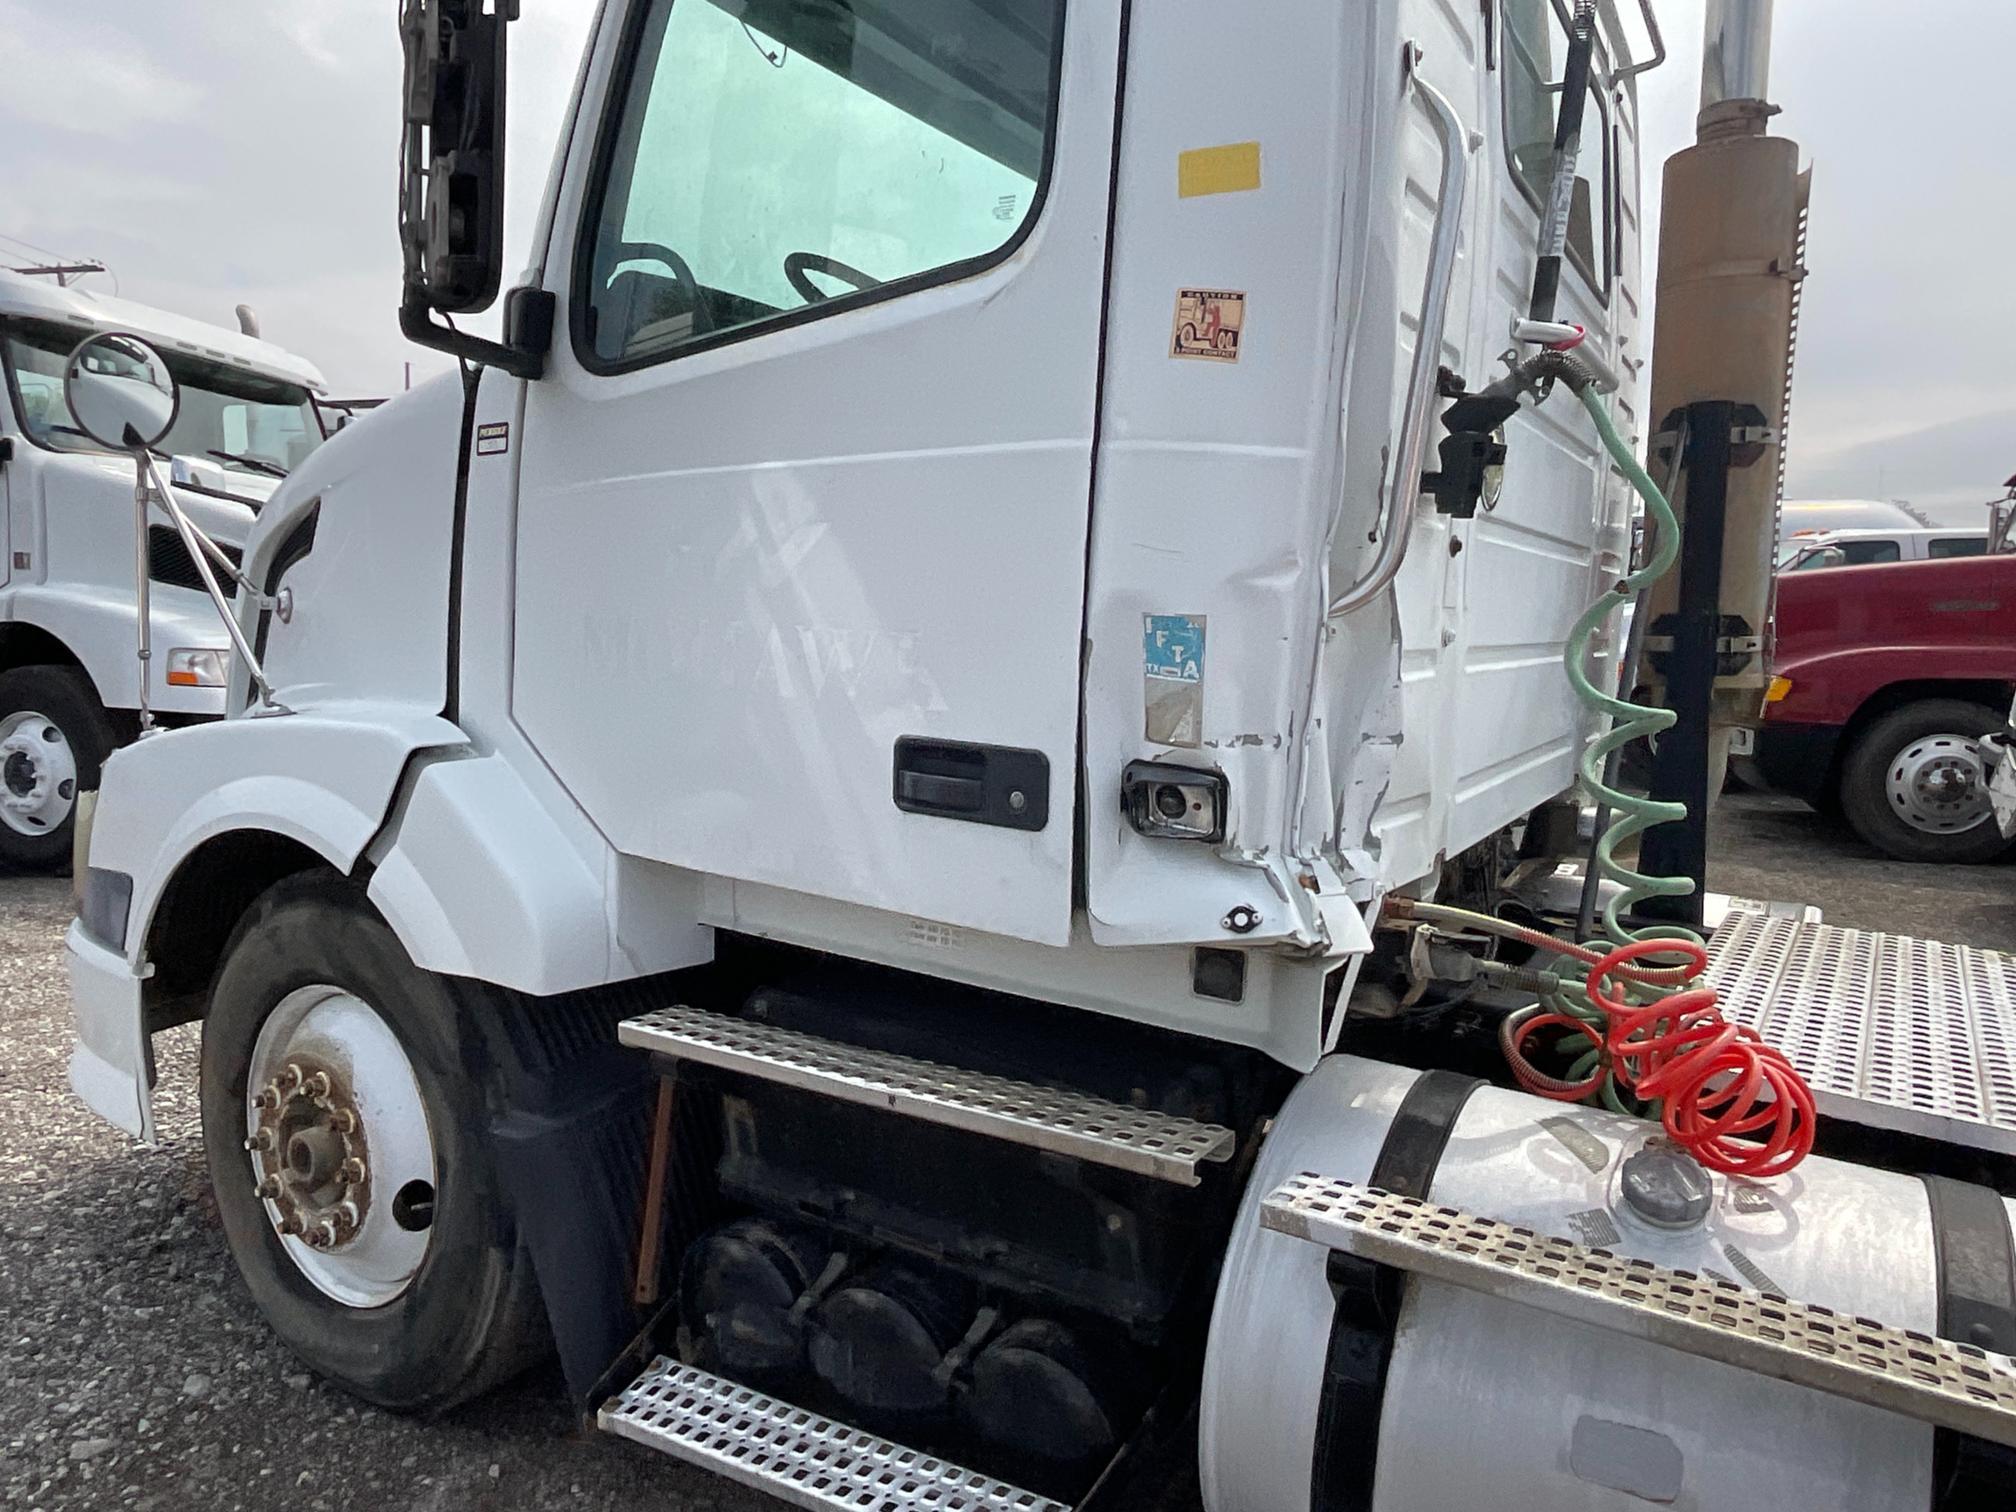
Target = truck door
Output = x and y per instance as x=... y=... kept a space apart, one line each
x=804 y=495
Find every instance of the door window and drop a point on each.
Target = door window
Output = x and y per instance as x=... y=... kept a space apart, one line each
x=1536 y=52
x=1958 y=546
x=1870 y=553
x=777 y=159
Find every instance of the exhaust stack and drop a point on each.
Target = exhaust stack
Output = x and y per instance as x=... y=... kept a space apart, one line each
x=1730 y=263
x=1736 y=60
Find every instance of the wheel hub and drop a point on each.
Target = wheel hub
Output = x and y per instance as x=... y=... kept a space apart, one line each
x=38 y=774
x=1938 y=784
x=308 y=1155
x=341 y=1153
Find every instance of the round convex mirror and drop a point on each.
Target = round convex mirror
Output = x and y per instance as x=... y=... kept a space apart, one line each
x=120 y=392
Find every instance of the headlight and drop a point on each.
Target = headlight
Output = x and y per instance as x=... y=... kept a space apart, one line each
x=198 y=667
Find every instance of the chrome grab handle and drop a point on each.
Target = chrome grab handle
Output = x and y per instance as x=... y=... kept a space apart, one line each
x=1403 y=483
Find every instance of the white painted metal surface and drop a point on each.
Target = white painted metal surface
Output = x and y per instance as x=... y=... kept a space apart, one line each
x=745 y=573
x=797 y=1456
x=1889 y=1031
x=1088 y=1128
x=1948 y=1385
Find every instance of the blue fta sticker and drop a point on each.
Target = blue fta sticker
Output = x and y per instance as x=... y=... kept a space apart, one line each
x=1173 y=691
x=1174 y=650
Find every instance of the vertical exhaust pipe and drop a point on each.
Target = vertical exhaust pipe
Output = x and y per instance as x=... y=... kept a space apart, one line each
x=1731 y=253
x=1736 y=58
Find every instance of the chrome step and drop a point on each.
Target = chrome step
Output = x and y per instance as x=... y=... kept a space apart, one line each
x=1889 y=1031
x=1930 y=1380
x=1064 y=1123
x=794 y=1455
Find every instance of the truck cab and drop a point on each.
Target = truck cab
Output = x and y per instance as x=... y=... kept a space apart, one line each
x=69 y=669
x=1888 y=679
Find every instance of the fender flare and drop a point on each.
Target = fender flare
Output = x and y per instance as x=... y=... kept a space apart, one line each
x=325 y=780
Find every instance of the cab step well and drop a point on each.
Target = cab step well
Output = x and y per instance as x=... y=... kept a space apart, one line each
x=794 y=1455
x=1145 y=1142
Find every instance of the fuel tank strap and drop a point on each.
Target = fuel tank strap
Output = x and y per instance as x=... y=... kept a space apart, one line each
x=1977 y=1305
x=1368 y=1302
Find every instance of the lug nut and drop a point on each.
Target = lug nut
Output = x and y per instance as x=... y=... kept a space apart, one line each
x=268 y=1188
x=352 y=1171
x=343 y=1121
x=318 y=1084
x=268 y=1098
x=261 y=1140
x=294 y=1076
x=290 y=1224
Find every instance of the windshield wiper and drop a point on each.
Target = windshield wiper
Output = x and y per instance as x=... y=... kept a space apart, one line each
x=271 y=469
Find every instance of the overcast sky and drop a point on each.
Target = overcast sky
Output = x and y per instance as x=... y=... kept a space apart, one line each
x=218 y=151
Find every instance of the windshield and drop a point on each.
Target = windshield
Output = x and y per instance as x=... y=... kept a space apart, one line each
x=246 y=422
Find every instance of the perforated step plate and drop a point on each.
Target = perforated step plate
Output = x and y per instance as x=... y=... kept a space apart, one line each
x=1065 y=1123
x=1932 y=1380
x=1889 y=1031
x=794 y=1455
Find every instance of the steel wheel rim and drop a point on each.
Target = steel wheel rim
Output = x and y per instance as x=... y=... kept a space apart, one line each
x=38 y=774
x=341 y=1150
x=1938 y=784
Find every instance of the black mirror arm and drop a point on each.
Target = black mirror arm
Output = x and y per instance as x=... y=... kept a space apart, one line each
x=528 y=333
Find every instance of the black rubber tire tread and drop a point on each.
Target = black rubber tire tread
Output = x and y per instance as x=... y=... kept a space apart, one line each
x=472 y=1318
x=67 y=696
x=1864 y=798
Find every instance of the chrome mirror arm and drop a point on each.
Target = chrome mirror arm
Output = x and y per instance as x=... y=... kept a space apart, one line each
x=201 y=551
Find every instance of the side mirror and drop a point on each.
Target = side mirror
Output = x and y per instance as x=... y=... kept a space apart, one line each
x=451 y=202
x=121 y=393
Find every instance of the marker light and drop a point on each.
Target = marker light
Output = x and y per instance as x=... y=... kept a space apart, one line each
x=198 y=667
x=1779 y=691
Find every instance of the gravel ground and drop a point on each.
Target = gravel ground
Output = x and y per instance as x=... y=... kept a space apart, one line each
x=135 y=1373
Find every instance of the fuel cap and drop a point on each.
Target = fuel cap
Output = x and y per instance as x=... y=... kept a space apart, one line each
x=1666 y=1187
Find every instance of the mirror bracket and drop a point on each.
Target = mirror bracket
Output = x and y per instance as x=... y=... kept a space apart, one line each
x=528 y=333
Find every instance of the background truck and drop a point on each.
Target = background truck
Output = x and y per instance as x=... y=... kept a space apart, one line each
x=1887 y=678
x=69 y=673
x=926 y=886
x=1870 y=547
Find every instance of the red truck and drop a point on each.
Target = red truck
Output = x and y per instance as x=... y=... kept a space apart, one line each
x=1887 y=679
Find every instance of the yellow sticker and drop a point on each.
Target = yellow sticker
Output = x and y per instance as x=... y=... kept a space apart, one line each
x=1218 y=170
x=1208 y=323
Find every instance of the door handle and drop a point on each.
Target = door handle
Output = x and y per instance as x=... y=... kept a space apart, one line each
x=976 y=784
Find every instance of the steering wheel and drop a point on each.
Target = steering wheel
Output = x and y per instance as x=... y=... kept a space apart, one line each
x=682 y=274
x=799 y=264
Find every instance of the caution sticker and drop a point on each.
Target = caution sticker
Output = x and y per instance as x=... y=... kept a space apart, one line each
x=493 y=439
x=1208 y=325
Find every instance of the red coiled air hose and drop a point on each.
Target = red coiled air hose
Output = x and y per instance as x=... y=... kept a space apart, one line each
x=1732 y=1101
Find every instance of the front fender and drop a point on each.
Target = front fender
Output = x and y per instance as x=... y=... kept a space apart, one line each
x=325 y=779
x=480 y=878
x=1828 y=689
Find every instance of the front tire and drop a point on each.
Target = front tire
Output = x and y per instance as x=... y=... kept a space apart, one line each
x=54 y=738
x=1914 y=784
x=345 y=1122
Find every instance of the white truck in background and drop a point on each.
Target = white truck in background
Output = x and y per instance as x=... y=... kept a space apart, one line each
x=69 y=672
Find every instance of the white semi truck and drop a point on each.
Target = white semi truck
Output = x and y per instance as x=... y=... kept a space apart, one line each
x=957 y=895
x=70 y=681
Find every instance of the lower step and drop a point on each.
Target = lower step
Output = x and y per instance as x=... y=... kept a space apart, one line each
x=795 y=1455
x=1148 y=1143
